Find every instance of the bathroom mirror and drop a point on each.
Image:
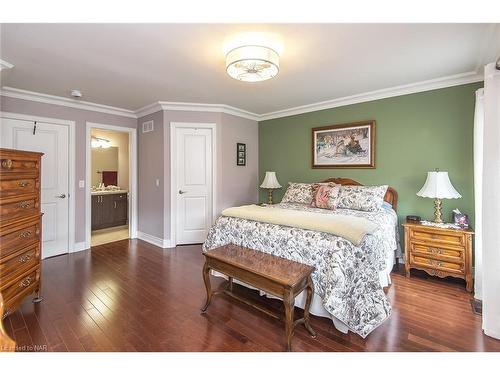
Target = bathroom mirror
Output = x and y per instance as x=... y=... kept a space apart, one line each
x=105 y=166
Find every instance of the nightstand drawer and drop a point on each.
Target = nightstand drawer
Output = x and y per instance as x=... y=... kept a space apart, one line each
x=420 y=261
x=430 y=236
x=443 y=253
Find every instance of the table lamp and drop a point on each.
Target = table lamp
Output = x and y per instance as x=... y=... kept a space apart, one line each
x=270 y=182
x=438 y=186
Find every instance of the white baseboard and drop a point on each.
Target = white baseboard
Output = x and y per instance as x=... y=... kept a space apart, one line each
x=79 y=246
x=157 y=241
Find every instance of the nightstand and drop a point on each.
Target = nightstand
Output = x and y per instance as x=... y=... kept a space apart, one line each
x=439 y=251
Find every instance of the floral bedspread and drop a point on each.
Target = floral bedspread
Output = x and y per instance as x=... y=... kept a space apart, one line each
x=346 y=276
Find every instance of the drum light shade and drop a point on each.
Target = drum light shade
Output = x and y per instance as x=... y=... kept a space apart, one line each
x=252 y=63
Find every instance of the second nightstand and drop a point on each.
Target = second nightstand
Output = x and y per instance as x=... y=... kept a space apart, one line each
x=439 y=251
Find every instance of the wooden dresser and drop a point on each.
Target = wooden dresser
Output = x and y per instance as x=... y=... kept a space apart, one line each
x=439 y=251
x=20 y=226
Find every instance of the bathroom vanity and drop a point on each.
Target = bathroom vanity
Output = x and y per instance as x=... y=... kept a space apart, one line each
x=109 y=209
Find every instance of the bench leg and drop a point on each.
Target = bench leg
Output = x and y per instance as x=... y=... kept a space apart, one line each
x=289 y=302
x=310 y=292
x=206 y=279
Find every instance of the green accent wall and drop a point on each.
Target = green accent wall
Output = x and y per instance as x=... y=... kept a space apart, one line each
x=415 y=133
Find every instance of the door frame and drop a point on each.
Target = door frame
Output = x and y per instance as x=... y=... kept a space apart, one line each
x=71 y=165
x=173 y=175
x=132 y=183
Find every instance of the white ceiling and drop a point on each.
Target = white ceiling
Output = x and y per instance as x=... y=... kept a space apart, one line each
x=133 y=65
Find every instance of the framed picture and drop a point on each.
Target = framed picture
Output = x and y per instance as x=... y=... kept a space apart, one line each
x=349 y=145
x=241 y=154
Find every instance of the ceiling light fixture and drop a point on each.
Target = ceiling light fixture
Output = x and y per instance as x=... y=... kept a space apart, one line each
x=5 y=65
x=97 y=142
x=76 y=94
x=252 y=63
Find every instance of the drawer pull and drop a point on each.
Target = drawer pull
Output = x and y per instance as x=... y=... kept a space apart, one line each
x=23 y=184
x=24 y=258
x=435 y=251
x=24 y=204
x=432 y=263
x=26 y=282
x=7 y=164
x=25 y=234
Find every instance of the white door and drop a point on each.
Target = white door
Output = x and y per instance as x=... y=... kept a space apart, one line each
x=52 y=140
x=194 y=184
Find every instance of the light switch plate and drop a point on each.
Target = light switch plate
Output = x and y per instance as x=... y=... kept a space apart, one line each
x=81 y=183
x=157 y=182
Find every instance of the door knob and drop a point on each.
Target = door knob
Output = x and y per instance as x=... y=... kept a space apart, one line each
x=182 y=192
x=61 y=196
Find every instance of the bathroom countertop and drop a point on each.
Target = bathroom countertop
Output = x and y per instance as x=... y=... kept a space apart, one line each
x=106 y=192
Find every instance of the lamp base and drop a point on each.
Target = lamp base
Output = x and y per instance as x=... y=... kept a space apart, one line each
x=437 y=211
x=269 y=196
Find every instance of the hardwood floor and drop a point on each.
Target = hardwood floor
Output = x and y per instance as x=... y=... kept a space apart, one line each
x=132 y=296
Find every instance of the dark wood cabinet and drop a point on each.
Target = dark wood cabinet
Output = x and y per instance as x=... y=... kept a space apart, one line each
x=109 y=210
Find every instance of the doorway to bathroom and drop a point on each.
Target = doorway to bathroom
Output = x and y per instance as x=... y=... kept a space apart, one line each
x=110 y=184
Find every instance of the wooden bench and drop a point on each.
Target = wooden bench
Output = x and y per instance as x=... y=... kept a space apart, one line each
x=274 y=275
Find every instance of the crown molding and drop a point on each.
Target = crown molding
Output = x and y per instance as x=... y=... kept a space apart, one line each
x=412 y=88
x=11 y=92
x=204 y=107
x=195 y=107
x=433 y=84
x=148 y=109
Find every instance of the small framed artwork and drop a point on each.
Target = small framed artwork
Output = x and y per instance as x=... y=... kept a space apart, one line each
x=349 y=145
x=241 y=154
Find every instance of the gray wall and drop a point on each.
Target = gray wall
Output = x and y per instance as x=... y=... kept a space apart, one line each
x=80 y=117
x=150 y=166
x=235 y=185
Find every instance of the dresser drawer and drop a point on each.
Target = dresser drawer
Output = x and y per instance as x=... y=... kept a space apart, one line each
x=422 y=261
x=19 y=164
x=16 y=237
x=18 y=207
x=22 y=285
x=430 y=236
x=17 y=263
x=23 y=186
x=438 y=252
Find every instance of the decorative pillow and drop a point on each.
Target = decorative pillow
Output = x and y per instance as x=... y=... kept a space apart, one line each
x=298 y=193
x=362 y=198
x=325 y=195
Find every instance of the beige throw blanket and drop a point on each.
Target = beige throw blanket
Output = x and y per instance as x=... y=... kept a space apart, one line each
x=351 y=228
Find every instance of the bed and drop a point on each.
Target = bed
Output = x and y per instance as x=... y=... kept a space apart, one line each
x=349 y=278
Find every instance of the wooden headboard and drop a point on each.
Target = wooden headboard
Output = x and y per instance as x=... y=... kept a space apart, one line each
x=391 y=196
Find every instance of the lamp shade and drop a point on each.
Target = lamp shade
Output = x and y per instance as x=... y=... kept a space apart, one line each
x=438 y=185
x=252 y=63
x=270 y=181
